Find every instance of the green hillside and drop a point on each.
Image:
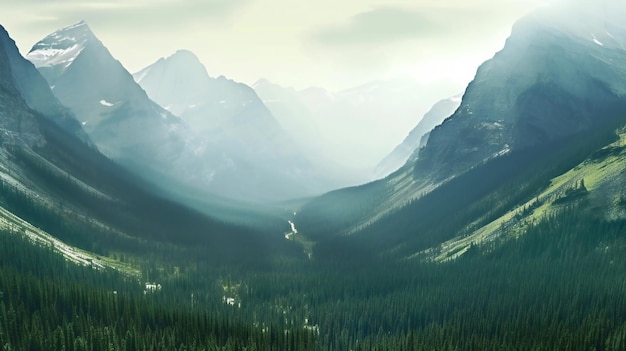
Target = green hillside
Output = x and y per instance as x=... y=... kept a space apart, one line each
x=598 y=183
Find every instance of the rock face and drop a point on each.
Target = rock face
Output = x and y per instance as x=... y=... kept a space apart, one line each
x=17 y=121
x=418 y=136
x=21 y=77
x=561 y=71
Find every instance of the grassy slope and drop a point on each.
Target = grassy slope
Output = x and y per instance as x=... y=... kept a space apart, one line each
x=18 y=226
x=600 y=172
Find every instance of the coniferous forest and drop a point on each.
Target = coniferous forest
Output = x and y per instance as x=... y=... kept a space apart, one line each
x=560 y=286
x=127 y=226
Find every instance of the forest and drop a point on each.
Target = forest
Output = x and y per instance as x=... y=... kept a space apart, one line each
x=560 y=286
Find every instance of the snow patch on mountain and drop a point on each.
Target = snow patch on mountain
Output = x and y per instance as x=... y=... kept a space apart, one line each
x=595 y=40
x=51 y=57
x=61 y=47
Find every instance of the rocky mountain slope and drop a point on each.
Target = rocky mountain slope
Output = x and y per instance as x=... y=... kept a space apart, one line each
x=552 y=88
x=35 y=91
x=417 y=137
x=116 y=113
x=554 y=78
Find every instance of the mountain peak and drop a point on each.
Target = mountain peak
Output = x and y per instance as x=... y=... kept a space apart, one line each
x=76 y=33
x=62 y=46
x=262 y=82
x=183 y=61
x=185 y=55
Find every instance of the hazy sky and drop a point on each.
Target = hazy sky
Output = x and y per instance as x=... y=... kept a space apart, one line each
x=329 y=43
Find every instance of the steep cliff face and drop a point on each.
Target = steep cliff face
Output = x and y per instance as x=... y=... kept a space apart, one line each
x=18 y=125
x=549 y=81
x=34 y=89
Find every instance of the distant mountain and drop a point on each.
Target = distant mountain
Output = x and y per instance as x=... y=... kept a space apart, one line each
x=358 y=126
x=319 y=137
x=291 y=112
x=60 y=192
x=182 y=85
x=539 y=106
x=255 y=157
x=418 y=136
x=127 y=126
x=116 y=113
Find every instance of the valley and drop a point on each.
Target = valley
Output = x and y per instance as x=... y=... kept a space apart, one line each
x=171 y=210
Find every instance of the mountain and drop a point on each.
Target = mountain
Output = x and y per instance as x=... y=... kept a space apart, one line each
x=532 y=239
x=35 y=91
x=553 y=95
x=58 y=190
x=554 y=78
x=359 y=126
x=255 y=157
x=18 y=121
x=116 y=113
x=185 y=159
x=183 y=86
x=291 y=112
x=417 y=137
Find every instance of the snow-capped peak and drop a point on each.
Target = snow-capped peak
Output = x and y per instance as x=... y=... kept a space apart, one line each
x=62 y=46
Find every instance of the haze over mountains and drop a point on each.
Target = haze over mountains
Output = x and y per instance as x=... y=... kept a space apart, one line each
x=519 y=187
x=417 y=137
x=54 y=178
x=358 y=126
x=252 y=153
x=553 y=80
x=185 y=130
x=224 y=140
x=116 y=113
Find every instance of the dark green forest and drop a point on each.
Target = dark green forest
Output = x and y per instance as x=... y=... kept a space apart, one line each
x=560 y=286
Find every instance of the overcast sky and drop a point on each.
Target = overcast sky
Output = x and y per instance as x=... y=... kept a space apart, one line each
x=329 y=43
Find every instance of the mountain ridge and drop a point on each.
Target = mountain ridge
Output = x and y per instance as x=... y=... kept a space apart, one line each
x=241 y=131
x=417 y=137
x=545 y=86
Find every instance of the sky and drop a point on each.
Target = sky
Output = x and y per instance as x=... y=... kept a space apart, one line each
x=335 y=44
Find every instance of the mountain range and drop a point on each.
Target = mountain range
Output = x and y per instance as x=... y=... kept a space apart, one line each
x=59 y=188
x=552 y=88
x=359 y=126
x=253 y=156
x=114 y=111
x=222 y=141
x=531 y=97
